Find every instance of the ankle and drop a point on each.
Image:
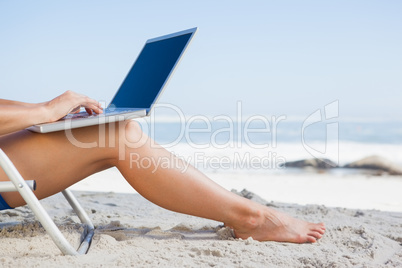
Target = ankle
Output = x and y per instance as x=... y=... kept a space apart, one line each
x=246 y=219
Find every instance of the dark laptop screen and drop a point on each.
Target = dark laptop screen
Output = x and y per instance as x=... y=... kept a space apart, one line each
x=150 y=71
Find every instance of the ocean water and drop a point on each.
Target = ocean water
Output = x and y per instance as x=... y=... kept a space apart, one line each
x=262 y=145
x=377 y=132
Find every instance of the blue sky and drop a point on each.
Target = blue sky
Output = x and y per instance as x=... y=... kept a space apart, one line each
x=277 y=57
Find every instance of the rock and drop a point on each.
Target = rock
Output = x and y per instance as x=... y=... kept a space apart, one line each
x=250 y=195
x=376 y=163
x=319 y=163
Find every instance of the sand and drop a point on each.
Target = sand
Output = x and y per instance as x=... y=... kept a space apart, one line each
x=132 y=232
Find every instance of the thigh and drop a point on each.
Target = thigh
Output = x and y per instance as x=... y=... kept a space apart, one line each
x=56 y=160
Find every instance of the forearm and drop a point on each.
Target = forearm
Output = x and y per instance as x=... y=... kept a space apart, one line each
x=16 y=103
x=15 y=116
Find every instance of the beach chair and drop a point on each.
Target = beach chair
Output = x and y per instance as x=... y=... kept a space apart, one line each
x=25 y=188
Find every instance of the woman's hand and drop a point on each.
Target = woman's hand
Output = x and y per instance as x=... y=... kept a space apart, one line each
x=70 y=102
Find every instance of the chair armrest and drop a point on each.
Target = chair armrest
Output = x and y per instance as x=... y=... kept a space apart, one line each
x=8 y=186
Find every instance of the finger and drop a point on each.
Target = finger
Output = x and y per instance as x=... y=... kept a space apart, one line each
x=90 y=108
x=90 y=105
x=94 y=103
x=89 y=111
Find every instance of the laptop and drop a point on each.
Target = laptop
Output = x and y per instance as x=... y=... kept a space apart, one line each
x=141 y=88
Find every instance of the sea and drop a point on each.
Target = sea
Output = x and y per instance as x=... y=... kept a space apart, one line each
x=263 y=144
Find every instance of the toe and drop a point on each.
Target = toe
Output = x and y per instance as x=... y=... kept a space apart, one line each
x=311 y=239
x=319 y=228
x=316 y=235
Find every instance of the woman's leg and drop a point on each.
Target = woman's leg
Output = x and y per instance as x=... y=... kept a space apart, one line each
x=56 y=163
x=52 y=160
x=168 y=182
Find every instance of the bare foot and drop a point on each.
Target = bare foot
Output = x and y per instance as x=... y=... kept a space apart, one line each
x=272 y=225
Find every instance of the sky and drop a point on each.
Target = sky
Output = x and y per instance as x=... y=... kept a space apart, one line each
x=276 y=57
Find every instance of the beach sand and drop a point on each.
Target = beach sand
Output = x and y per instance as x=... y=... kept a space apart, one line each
x=133 y=232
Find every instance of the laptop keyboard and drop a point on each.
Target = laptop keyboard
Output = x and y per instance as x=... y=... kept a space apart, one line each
x=84 y=114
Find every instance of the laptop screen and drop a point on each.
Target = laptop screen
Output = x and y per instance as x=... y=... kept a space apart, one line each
x=150 y=72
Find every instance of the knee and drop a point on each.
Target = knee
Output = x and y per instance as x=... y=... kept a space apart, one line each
x=130 y=138
x=131 y=134
x=132 y=130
